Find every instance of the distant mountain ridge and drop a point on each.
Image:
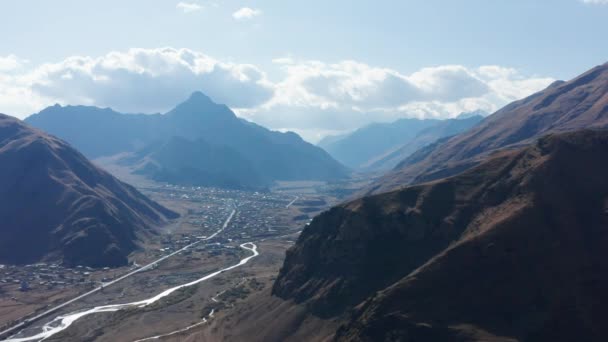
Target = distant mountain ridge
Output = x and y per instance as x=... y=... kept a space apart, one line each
x=563 y=106
x=438 y=131
x=366 y=143
x=271 y=155
x=57 y=206
x=381 y=146
x=89 y=128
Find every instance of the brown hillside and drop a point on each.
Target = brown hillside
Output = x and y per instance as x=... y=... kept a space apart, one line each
x=515 y=249
x=57 y=206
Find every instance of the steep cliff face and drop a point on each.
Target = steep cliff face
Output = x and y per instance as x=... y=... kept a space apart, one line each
x=57 y=206
x=513 y=249
x=581 y=103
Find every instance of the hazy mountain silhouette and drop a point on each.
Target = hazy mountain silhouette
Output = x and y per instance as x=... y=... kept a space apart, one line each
x=367 y=143
x=440 y=130
x=58 y=206
x=381 y=146
x=270 y=155
x=98 y=132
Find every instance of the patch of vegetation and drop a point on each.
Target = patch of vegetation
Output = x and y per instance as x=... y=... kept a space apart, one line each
x=310 y=209
x=301 y=217
x=256 y=285
x=216 y=307
x=174 y=298
x=313 y=203
x=235 y=293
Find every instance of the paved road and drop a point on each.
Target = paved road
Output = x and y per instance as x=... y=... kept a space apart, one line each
x=292 y=202
x=97 y=289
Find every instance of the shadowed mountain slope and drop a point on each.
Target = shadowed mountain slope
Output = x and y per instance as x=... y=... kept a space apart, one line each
x=57 y=206
x=182 y=161
x=515 y=249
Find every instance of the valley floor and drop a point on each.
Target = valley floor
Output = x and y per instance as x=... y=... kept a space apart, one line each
x=272 y=221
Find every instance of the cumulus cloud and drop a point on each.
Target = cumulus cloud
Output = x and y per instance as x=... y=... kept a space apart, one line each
x=149 y=80
x=596 y=2
x=246 y=13
x=10 y=63
x=363 y=87
x=189 y=7
x=283 y=60
x=313 y=98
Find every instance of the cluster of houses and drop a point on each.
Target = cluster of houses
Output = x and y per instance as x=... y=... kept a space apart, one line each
x=46 y=276
x=255 y=218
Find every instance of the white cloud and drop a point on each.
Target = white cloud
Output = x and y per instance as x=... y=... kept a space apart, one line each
x=316 y=97
x=358 y=85
x=140 y=80
x=283 y=60
x=448 y=83
x=10 y=63
x=596 y=2
x=311 y=97
x=189 y=7
x=246 y=13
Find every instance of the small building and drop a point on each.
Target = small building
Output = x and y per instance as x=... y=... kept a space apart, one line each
x=25 y=286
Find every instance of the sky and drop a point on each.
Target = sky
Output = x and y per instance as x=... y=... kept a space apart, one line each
x=314 y=67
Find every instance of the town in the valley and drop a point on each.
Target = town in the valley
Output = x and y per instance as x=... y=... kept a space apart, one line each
x=213 y=224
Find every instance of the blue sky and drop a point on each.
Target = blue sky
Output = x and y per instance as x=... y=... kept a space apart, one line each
x=316 y=67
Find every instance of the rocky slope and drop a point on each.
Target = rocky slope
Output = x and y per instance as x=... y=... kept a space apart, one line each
x=564 y=106
x=57 y=206
x=515 y=249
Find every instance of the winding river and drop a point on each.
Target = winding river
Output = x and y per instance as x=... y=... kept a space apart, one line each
x=61 y=323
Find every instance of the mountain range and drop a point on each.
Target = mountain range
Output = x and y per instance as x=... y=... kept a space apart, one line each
x=514 y=249
x=57 y=206
x=381 y=146
x=563 y=106
x=441 y=130
x=511 y=245
x=366 y=143
x=233 y=152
